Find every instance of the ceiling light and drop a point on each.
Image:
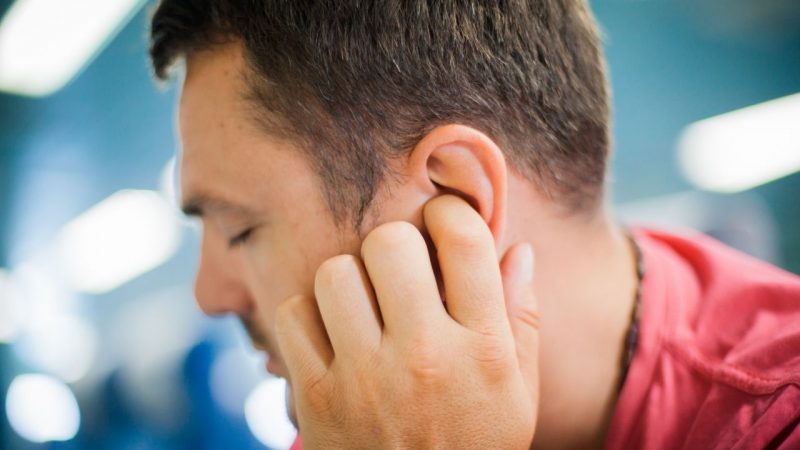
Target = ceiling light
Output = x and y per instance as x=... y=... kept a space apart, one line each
x=744 y=148
x=120 y=238
x=44 y=43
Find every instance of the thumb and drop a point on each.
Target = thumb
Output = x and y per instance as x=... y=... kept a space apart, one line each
x=523 y=310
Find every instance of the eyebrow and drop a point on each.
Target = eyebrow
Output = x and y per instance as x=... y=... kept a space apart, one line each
x=201 y=205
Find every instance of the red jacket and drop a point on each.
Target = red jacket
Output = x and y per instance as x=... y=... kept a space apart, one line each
x=717 y=365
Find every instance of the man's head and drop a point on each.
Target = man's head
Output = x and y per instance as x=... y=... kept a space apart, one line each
x=356 y=83
x=298 y=118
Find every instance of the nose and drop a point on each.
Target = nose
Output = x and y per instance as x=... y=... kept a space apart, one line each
x=219 y=287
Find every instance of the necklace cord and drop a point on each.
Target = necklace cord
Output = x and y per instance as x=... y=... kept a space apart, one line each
x=632 y=338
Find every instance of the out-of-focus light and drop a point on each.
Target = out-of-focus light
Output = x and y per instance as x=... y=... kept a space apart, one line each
x=744 y=148
x=155 y=329
x=44 y=43
x=41 y=408
x=40 y=291
x=13 y=311
x=64 y=346
x=150 y=337
x=266 y=415
x=233 y=376
x=117 y=240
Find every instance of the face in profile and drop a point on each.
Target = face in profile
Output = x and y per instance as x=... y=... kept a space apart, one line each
x=266 y=224
x=266 y=227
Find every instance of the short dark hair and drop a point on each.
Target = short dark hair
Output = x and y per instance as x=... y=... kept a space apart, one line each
x=358 y=82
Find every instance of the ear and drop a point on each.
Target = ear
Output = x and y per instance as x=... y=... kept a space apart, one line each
x=460 y=160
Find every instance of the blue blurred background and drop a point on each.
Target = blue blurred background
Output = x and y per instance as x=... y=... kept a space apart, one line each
x=133 y=364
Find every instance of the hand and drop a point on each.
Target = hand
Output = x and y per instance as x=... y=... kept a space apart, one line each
x=396 y=368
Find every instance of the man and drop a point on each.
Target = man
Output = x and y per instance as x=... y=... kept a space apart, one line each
x=374 y=179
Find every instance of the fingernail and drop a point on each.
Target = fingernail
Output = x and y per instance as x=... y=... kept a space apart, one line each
x=527 y=262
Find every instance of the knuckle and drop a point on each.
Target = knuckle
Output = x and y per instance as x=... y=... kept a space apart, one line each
x=334 y=270
x=390 y=235
x=528 y=316
x=286 y=312
x=318 y=394
x=467 y=238
x=494 y=355
x=427 y=365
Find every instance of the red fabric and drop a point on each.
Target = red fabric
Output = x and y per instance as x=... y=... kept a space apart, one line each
x=717 y=365
x=297 y=445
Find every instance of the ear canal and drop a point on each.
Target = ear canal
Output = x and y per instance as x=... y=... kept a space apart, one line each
x=462 y=161
x=458 y=169
x=444 y=190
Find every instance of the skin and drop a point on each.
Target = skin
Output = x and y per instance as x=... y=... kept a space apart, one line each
x=299 y=282
x=408 y=348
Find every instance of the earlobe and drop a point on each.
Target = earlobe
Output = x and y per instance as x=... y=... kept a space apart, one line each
x=462 y=161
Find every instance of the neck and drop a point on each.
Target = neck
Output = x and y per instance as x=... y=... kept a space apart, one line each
x=585 y=283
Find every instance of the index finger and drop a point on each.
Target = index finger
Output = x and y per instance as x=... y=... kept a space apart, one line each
x=397 y=261
x=469 y=265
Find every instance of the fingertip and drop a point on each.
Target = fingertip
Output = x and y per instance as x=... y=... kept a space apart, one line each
x=440 y=200
x=286 y=312
x=519 y=260
x=527 y=261
x=518 y=267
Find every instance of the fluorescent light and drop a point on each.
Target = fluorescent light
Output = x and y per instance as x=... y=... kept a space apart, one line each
x=744 y=148
x=41 y=409
x=266 y=414
x=117 y=240
x=44 y=43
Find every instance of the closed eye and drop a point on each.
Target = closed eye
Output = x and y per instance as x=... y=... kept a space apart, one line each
x=240 y=238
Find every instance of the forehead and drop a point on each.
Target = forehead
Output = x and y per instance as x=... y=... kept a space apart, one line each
x=211 y=111
x=224 y=154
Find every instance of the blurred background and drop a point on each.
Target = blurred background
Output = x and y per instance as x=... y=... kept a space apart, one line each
x=101 y=345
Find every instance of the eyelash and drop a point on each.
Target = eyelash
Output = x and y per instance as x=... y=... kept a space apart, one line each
x=240 y=239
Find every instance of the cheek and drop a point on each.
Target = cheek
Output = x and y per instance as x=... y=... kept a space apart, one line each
x=266 y=278
x=276 y=269
x=282 y=261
